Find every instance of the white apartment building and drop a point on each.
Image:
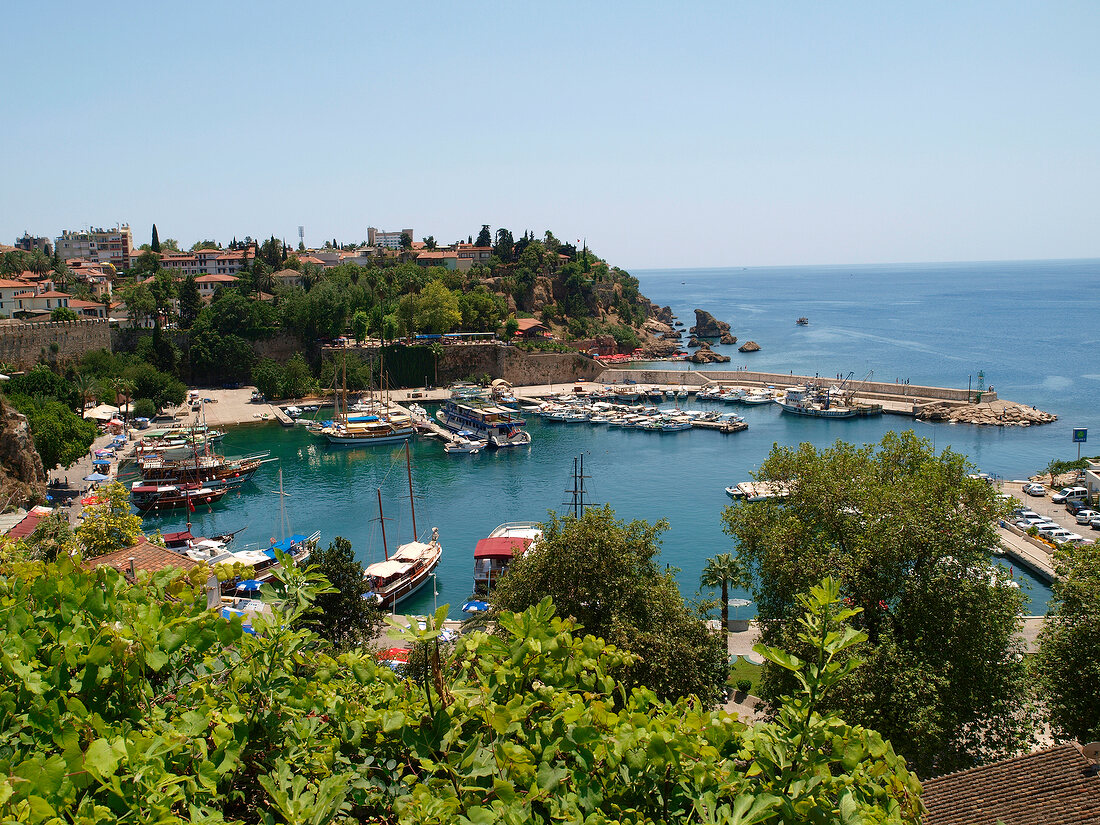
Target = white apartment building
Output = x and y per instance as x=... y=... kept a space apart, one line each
x=386 y=240
x=102 y=246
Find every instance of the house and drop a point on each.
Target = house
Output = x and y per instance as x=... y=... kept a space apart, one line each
x=208 y=284
x=1055 y=786
x=87 y=309
x=469 y=255
x=531 y=328
x=39 y=303
x=9 y=288
x=143 y=556
x=287 y=277
x=439 y=257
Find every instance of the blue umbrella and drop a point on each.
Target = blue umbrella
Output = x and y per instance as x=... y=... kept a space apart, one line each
x=99 y=462
x=97 y=477
x=474 y=606
x=249 y=584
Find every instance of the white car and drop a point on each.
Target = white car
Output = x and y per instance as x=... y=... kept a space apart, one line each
x=1067 y=493
x=1035 y=489
x=1086 y=516
x=1035 y=520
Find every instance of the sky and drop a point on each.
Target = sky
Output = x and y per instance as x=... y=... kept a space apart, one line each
x=684 y=134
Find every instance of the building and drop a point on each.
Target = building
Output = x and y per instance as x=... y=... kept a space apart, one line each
x=88 y=309
x=531 y=328
x=208 y=284
x=207 y=261
x=29 y=294
x=39 y=303
x=142 y=557
x=386 y=240
x=1055 y=786
x=32 y=244
x=468 y=255
x=100 y=246
x=438 y=257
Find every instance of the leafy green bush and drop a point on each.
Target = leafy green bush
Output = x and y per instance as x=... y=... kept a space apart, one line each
x=744 y=685
x=144 y=408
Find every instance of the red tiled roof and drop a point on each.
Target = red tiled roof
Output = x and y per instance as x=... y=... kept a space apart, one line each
x=6 y=284
x=211 y=279
x=433 y=256
x=146 y=555
x=76 y=303
x=1056 y=786
x=528 y=324
x=29 y=522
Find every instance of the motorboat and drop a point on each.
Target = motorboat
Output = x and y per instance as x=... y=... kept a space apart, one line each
x=494 y=553
x=469 y=409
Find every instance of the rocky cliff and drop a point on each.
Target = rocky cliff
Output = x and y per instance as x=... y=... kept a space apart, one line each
x=707 y=326
x=22 y=478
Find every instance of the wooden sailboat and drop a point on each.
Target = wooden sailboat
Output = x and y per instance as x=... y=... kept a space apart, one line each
x=411 y=565
x=380 y=427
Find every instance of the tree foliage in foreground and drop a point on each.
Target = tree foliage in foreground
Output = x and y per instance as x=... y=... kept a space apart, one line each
x=109 y=525
x=133 y=702
x=908 y=534
x=1069 y=647
x=604 y=573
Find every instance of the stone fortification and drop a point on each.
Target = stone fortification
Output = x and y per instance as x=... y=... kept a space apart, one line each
x=515 y=366
x=24 y=345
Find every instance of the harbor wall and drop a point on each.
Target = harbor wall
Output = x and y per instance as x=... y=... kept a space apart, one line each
x=753 y=378
x=23 y=345
x=461 y=361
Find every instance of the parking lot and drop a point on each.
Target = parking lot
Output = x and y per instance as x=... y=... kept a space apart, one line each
x=1055 y=512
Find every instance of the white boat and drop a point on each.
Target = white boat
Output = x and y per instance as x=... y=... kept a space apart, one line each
x=402 y=574
x=469 y=409
x=464 y=443
x=495 y=553
x=824 y=403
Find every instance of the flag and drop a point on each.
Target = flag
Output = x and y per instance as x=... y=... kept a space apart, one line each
x=190 y=504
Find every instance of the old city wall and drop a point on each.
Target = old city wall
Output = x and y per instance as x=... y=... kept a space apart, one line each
x=461 y=361
x=24 y=345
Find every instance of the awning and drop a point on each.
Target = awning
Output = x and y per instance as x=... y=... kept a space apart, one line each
x=502 y=547
x=385 y=569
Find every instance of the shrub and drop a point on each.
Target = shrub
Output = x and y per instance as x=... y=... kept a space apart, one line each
x=744 y=685
x=144 y=408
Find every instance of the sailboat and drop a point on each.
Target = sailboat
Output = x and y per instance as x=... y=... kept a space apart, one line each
x=349 y=430
x=411 y=565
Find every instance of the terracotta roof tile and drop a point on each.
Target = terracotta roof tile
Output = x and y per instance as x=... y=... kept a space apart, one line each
x=209 y=279
x=146 y=555
x=1056 y=786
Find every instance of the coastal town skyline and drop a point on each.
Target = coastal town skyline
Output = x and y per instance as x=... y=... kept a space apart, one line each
x=721 y=136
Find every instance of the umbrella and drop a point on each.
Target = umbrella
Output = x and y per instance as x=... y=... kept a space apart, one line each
x=474 y=606
x=97 y=477
x=104 y=452
x=115 y=422
x=249 y=584
x=737 y=604
x=99 y=462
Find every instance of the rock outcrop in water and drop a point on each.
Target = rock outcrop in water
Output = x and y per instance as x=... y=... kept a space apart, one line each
x=707 y=326
x=705 y=355
x=22 y=478
x=749 y=346
x=993 y=414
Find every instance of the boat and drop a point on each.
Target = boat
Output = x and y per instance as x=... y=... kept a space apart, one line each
x=468 y=408
x=803 y=321
x=820 y=402
x=401 y=575
x=378 y=427
x=148 y=497
x=464 y=443
x=201 y=468
x=494 y=553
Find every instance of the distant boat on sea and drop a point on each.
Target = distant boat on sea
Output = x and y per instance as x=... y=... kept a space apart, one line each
x=803 y=321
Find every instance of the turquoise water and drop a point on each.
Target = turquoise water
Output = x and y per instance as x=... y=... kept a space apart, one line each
x=1024 y=324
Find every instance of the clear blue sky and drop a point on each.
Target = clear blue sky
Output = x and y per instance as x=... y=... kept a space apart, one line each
x=667 y=134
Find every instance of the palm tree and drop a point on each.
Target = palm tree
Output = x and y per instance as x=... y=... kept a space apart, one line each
x=724 y=570
x=86 y=386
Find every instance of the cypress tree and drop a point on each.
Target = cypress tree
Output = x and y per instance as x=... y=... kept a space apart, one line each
x=155 y=245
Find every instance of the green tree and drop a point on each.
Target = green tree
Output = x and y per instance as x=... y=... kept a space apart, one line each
x=155 y=245
x=908 y=535
x=429 y=243
x=268 y=378
x=110 y=525
x=437 y=309
x=140 y=302
x=511 y=327
x=344 y=618
x=1069 y=647
x=360 y=325
x=60 y=436
x=481 y=310
x=504 y=246
x=615 y=589
x=85 y=387
x=484 y=237
x=63 y=314
x=406 y=241
x=190 y=302
x=723 y=571
x=164 y=292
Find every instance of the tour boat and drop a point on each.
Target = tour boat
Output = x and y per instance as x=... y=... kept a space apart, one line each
x=824 y=403
x=494 y=554
x=147 y=497
x=201 y=468
x=469 y=409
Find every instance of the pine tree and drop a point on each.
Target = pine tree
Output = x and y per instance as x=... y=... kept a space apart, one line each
x=155 y=245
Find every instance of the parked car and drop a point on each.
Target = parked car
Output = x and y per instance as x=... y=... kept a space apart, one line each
x=1067 y=493
x=1059 y=536
x=1041 y=522
x=1035 y=489
x=1095 y=524
x=1075 y=504
x=1086 y=516
x=1080 y=541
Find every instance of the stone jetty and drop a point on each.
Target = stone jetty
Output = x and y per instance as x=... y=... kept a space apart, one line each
x=993 y=414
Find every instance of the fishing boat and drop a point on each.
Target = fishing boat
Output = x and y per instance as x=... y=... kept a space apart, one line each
x=820 y=402
x=402 y=574
x=494 y=553
x=803 y=321
x=468 y=408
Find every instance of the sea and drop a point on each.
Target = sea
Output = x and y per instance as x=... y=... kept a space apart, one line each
x=1025 y=328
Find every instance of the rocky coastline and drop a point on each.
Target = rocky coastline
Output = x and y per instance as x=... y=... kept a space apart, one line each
x=992 y=414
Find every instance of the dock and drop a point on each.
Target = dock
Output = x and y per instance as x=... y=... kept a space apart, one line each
x=281 y=416
x=721 y=426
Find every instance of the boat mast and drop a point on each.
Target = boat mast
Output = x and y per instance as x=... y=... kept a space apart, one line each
x=412 y=504
x=382 y=521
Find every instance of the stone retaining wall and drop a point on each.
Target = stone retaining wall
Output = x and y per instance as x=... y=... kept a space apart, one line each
x=25 y=344
x=515 y=366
